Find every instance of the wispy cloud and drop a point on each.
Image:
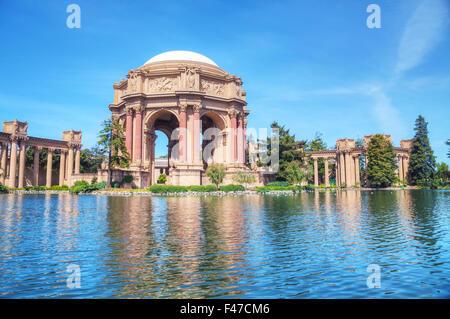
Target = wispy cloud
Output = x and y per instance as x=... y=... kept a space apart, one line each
x=388 y=117
x=422 y=33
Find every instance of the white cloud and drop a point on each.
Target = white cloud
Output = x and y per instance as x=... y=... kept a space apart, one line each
x=388 y=117
x=423 y=32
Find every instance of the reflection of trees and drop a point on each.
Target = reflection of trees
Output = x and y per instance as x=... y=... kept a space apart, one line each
x=382 y=219
x=424 y=216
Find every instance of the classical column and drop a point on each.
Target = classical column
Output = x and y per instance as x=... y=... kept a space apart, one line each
x=153 y=158
x=405 y=167
x=336 y=169
x=69 y=166
x=232 y=147
x=62 y=167
x=349 y=164
x=400 y=167
x=327 y=178
x=245 y=141
x=36 y=166
x=128 y=132
x=48 y=180
x=22 y=163
x=138 y=136
x=3 y=162
x=342 y=168
x=240 y=140
x=316 y=172
x=182 y=134
x=197 y=124
x=13 y=164
x=77 y=160
x=357 y=173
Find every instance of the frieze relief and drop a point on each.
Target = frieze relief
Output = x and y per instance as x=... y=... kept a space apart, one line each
x=163 y=84
x=212 y=87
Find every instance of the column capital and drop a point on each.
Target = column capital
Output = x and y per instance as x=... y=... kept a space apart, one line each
x=197 y=107
x=183 y=107
x=232 y=113
x=138 y=109
x=129 y=110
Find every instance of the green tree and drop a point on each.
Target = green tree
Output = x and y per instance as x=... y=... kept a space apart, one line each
x=289 y=149
x=112 y=144
x=294 y=172
x=216 y=174
x=381 y=167
x=242 y=177
x=91 y=160
x=422 y=161
x=442 y=175
x=448 y=143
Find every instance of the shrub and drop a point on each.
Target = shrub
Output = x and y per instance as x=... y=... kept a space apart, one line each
x=127 y=179
x=162 y=179
x=3 y=189
x=232 y=188
x=243 y=177
x=202 y=188
x=159 y=189
x=264 y=189
x=38 y=188
x=94 y=180
x=216 y=174
x=115 y=184
x=279 y=183
x=85 y=187
x=59 y=188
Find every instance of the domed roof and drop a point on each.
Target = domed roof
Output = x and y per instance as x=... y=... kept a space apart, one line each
x=181 y=56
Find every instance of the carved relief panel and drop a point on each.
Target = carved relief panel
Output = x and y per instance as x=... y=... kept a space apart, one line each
x=162 y=84
x=212 y=87
x=345 y=144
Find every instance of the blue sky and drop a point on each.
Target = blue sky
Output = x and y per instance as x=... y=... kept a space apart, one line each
x=313 y=66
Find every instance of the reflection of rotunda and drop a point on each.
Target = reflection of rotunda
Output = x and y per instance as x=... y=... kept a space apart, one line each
x=199 y=106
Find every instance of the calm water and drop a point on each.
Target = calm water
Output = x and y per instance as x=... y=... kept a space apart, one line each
x=314 y=245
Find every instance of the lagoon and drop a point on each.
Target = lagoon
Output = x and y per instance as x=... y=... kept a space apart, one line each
x=310 y=245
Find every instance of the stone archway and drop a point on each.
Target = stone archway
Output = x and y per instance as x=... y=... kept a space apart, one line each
x=213 y=131
x=165 y=121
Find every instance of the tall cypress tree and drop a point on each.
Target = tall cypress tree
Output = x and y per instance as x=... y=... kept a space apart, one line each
x=422 y=163
x=381 y=158
x=448 y=143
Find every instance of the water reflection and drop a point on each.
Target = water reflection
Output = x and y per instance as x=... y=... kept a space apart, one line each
x=315 y=244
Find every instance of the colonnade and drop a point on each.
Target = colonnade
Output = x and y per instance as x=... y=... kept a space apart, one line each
x=403 y=166
x=190 y=128
x=13 y=160
x=348 y=168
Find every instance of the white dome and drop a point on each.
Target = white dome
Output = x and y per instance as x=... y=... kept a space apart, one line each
x=181 y=56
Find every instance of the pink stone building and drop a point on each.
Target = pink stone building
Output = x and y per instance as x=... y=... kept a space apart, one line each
x=197 y=105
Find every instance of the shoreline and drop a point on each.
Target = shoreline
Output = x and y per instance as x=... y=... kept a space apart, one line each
x=191 y=193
